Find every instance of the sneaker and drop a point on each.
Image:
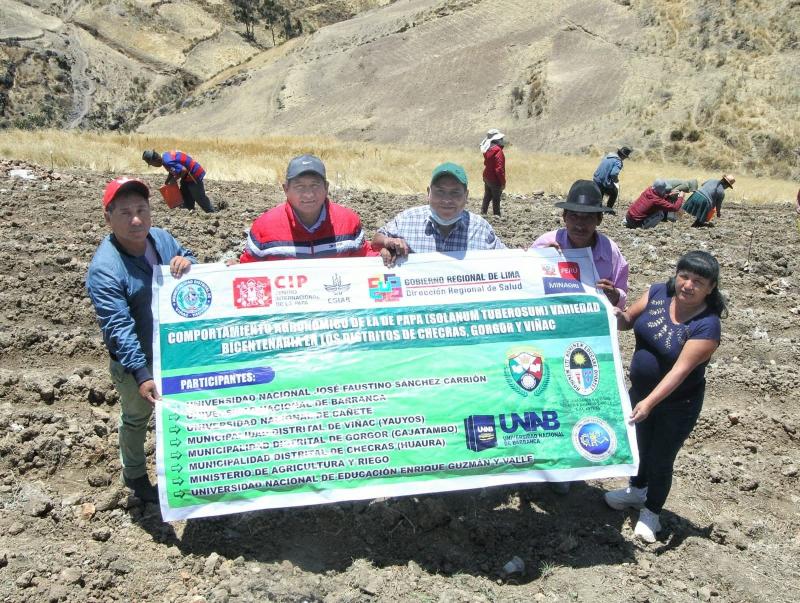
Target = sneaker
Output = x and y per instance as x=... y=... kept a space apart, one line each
x=647 y=526
x=142 y=489
x=626 y=497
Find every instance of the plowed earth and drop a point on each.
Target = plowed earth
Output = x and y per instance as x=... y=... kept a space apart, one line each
x=71 y=532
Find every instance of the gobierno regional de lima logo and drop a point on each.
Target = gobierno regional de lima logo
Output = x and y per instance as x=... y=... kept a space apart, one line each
x=191 y=298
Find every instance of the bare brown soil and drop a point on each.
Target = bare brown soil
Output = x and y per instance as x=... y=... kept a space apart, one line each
x=72 y=533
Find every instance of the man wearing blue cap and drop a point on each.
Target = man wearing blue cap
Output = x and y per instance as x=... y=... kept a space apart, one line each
x=308 y=224
x=443 y=225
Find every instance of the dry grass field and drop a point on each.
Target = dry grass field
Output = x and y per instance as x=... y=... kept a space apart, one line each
x=400 y=169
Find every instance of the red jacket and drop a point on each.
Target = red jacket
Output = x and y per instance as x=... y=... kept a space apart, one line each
x=494 y=162
x=649 y=202
x=278 y=234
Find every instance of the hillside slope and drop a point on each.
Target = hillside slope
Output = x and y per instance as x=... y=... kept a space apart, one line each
x=698 y=81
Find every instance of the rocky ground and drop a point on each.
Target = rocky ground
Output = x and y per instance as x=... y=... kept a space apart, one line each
x=72 y=533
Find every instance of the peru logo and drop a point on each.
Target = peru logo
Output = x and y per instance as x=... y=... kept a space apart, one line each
x=569 y=270
x=252 y=292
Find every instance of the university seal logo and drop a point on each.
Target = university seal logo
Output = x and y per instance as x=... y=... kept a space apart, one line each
x=581 y=368
x=191 y=298
x=594 y=439
x=525 y=371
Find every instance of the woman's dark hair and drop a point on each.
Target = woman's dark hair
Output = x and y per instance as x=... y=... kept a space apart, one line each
x=702 y=264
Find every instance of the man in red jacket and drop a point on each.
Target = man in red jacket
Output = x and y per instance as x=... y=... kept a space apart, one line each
x=653 y=206
x=308 y=224
x=494 y=170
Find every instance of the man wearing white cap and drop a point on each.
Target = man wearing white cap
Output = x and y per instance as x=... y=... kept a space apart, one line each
x=494 y=170
x=119 y=284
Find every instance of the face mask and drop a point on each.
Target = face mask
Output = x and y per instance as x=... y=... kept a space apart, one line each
x=441 y=221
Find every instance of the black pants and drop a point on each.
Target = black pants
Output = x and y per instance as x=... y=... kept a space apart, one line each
x=195 y=192
x=491 y=192
x=660 y=437
x=612 y=192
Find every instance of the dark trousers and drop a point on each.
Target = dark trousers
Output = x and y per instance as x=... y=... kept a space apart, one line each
x=195 y=192
x=491 y=192
x=610 y=191
x=660 y=436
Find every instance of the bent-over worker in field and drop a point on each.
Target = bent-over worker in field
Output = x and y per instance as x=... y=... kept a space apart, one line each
x=187 y=172
x=656 y=204
x=443 y=225
x=707 y=198
x=308 y=224
x=119 y=285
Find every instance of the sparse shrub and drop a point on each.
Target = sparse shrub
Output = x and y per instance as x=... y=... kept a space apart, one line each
x=676 y=135
x=693 y=136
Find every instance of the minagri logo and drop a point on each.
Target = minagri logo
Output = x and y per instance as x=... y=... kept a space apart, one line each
x=481 y=432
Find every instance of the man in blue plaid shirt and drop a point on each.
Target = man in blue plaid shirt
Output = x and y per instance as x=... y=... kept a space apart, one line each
x=443 y=225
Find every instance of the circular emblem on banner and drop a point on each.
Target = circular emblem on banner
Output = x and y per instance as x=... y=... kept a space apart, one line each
x=581 y=368
x=525 y=371
x=191 y=298
x=594 y=439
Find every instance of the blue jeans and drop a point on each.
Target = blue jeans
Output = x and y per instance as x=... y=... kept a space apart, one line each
x=660 y=437
x=134 y=417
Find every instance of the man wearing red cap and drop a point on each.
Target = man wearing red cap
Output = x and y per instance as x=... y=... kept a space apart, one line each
x=119 y=283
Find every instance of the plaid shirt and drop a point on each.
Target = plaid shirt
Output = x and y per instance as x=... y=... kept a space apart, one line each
x=422 y=233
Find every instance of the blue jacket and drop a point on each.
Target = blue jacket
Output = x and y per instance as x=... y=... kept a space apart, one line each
x=120 y=287
x=607 y=172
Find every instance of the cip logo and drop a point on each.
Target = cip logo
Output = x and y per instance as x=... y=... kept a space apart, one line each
x=525 y=371
x=290 y=281
x=191 y=298
x=481 y=432
x=252 y=292
x=386 y=288
x=594 y=439
x=581 y=368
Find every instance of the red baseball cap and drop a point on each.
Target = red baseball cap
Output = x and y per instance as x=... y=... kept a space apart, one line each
x=123 y=183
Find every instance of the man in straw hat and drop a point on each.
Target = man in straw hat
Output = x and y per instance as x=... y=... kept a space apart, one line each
x=583 y=213
x=119 y=284
x=706 y=201
x=494 y=170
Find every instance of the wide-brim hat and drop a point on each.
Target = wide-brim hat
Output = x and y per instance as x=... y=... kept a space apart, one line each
x=729 y=179
x=584 y=196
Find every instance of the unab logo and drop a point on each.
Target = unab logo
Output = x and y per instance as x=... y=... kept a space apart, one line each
x=525 y=371
x=594 y=439
x=581 y=368
x=481 y=432
x=191 y=298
